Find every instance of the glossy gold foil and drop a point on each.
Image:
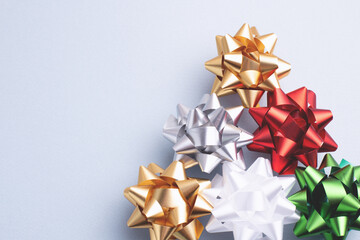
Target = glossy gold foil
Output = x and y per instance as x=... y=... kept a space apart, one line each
x=168 y=202
x=246 y=65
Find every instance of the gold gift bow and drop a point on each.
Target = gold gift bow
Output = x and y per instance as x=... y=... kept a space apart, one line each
x=168 y=203
x=246 y=65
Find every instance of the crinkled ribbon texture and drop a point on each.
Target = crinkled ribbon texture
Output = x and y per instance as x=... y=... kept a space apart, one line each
x=328 y=199
x=246 y=65
x=292 y=129
x=207 y=133
x=252 y=204
x=168 y=203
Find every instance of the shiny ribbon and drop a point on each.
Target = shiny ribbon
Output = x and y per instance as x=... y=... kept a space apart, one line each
x=246 y=65
x=207 y=133
x=292 y=129
x=250 y=203
x=328 y=202
x=168 y=202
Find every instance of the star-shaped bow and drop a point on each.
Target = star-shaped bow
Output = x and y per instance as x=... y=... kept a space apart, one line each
x=328 y=199
x=207 y=133
x=251 y=203
x=292 y=129
x=168 y=203
x=246 y=65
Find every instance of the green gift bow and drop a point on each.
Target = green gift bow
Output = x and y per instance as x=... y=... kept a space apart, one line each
x=329 y=204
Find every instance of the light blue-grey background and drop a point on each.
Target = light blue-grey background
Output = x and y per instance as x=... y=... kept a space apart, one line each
x=86 y=85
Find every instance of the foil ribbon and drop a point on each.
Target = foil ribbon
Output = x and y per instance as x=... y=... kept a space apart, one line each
x=328 y=199
x=252 y=204
x=168 y=203
x=292 y=129
x=207 y=133
x=246 y=65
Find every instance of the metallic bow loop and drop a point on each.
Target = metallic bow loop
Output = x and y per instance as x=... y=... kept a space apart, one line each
x=168 y=202
x=246 y=65
x=250 y=203
x=292 y=129
x=329 y=199
x=207 y=133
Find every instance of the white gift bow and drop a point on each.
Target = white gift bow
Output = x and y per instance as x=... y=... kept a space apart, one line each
x=252 y=203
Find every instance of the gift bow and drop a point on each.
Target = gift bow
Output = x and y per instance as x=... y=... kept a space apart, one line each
x=329 y=203
x=246 y=65
x=292 y=129
x=169 y=203
x=207 y=133
x=250 y=203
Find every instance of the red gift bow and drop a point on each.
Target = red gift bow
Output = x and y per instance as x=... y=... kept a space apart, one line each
x=291 y=128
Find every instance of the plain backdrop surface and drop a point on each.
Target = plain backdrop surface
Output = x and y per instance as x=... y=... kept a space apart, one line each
x=86 y=86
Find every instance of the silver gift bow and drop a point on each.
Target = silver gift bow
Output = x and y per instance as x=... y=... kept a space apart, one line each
x=207 y=133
